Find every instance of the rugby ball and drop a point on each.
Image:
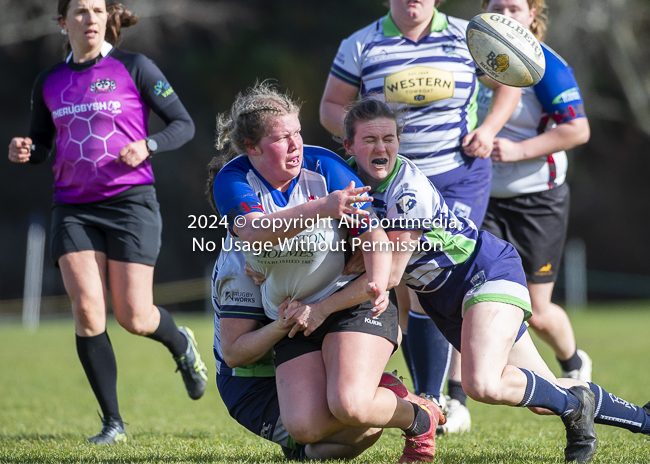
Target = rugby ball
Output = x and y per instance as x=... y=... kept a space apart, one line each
x=505 y=50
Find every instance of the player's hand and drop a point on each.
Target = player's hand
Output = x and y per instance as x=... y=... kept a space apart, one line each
x=478 y=143
x=307 y=317
x=355 y=264
x=282 y=322
x=507 y=151
x=20 y=149
x=379 y=299
x=341 y=202
x=257 y=277
x=134 y=153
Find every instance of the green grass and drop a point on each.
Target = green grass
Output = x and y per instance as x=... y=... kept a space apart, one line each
x=47 y=409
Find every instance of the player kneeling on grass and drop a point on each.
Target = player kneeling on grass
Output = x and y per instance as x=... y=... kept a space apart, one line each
x=474 y=288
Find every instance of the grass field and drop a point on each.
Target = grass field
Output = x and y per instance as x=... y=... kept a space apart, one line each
x=47 y=409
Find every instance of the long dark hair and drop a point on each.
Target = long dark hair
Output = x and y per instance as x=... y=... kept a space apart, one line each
x=119 y=16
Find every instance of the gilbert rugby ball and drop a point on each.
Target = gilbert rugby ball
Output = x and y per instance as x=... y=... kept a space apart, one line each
x=505 y=50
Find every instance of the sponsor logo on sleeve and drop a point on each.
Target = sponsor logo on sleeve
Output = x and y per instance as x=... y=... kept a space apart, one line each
x=103 y=85
x=237 y=296
x=163 y=88
x=567 y=96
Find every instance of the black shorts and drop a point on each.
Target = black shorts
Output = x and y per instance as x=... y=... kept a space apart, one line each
x=355 y=319
x=126 y=227
x=536 y=224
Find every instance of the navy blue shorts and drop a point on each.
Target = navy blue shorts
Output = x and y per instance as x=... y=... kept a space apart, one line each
x=253 y=402
x=466 y=189
x=492 y=273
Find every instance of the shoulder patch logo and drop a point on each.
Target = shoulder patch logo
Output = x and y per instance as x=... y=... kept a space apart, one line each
x=103 y=85
x=449 y=49
x=406 y=203
x=163 y=88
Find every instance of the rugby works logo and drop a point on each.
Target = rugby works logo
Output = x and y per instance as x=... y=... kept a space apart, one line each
x=236 y=296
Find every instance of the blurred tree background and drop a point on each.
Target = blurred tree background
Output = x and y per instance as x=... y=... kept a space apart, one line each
x=210 y=50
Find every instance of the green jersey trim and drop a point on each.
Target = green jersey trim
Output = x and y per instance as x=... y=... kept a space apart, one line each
x=457 y=247
x=384 y=183
x=500 y=298
x=387 y=181
x=439 y=23
x=472 y=111
x=258 y=369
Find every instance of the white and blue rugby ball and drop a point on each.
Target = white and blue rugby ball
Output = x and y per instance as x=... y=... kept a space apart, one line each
x=505 y=50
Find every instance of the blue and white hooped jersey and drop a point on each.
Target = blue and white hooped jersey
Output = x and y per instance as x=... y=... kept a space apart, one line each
x=235 y=295
x=555 y=99
x=306 y=267
x=433 y=79
x=407 y=200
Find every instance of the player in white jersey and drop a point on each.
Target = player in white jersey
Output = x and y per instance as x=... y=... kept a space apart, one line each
x=529 y=204
x=324 y=386
x=418 y=58
x=473 y=285
x=243 y=348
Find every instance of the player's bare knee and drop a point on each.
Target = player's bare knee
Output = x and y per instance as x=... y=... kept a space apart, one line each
x=135 y=324
x=304 y=432
x=482 y=390
x=349 y=411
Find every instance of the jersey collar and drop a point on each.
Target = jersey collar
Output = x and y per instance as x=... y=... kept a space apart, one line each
x=105 y=50
x=438 y=24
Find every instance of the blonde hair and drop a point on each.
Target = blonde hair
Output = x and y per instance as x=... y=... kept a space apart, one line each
x=538 y=28
x=247 y=122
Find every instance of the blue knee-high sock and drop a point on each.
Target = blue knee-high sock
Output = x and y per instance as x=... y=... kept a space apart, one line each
x=612 y=410
x=406 y=353
x=430 y=355
x=543 y=393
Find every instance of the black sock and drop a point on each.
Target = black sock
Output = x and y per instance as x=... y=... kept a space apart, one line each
x=98 y=360
x=571 y=364
x=456 y=392
x=167 y=333
x=421 y=422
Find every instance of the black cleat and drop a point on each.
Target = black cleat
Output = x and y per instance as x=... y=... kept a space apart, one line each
x=580 y=431
x=299 y=453
x=112 y=433
x=193 y=370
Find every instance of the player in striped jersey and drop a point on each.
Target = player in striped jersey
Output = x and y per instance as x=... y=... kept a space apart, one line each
x=529 y=199
x=418 y=57
x=473 y=285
